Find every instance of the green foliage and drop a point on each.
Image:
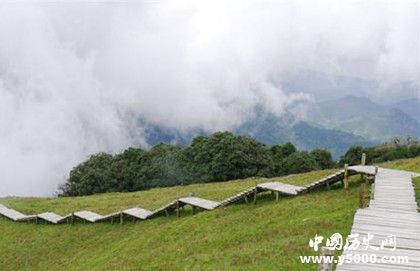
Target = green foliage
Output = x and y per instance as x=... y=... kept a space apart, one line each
x=416 y=183
x=397 y=148
x=323 y=158
x=299 y=162
x=166 y=166
x=90 y=177
x=221 y=156
x=352 y=156
x=127 y=169
x=279 y=152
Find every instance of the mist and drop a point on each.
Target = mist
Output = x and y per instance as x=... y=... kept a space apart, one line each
x=76 y=78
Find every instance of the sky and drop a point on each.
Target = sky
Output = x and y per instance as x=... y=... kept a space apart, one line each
x=75 y=78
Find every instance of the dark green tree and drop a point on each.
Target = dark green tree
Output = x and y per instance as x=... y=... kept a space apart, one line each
x=278 y=154
x=223 y=156
x=299 y=162
x=323 y=158
x=353 y=156
x=91 y=177
x=166 y=166
x=129 y=169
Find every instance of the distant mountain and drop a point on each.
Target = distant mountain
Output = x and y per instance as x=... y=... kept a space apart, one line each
x=363 y=117
x=269 y=128
x=324 y=86
x=410 y=107
x=308 y=137
x=156 y=135
x=272 y=130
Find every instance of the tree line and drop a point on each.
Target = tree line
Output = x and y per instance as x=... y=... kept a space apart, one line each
x=221 y=156
x=396 y=148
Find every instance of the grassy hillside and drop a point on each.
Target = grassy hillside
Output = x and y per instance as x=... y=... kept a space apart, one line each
x=267 y=236
x=417 y=189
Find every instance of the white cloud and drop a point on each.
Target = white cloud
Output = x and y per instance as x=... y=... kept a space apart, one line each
x=75 y=77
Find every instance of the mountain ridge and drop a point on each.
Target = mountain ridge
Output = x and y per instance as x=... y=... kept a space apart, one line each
x=363 y=117
x=271 y=130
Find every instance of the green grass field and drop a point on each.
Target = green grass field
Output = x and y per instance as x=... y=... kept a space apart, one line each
x=417 y=189
x=267 y=236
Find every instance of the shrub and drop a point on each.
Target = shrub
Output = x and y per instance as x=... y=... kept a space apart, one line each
x=299 y=162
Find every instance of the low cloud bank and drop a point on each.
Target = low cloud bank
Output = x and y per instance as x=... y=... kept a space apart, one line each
x=76 y=78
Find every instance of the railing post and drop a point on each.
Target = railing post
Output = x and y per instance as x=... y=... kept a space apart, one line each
x=326 y=265
x=346 y=176
x=363 y=162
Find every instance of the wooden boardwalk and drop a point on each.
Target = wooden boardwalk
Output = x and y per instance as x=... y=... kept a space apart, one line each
x=15 y=215
x=394 y=209
x=391 y=215
x=326 y=181
x=53 y=218
x=200 y=203
x=138 y=213
x=282 y=188
x=247 y=195
x=241 y=195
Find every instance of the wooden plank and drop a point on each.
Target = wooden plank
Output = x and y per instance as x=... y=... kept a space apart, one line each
x=53 y=217
x=283 y=188
x=137 y=213
x=391 y=213
x=200 y=202
x=164 y=209
x=246 y=193
x=88 y=216
x=15 y=215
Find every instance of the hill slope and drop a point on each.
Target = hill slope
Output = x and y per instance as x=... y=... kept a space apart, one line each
x=338 y=142
x=305 y=136
x=272 y=130
x=410 y=107
x=267 y=236
x=363 y=117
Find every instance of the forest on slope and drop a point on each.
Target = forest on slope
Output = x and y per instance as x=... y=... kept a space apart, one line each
x=221 y=156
